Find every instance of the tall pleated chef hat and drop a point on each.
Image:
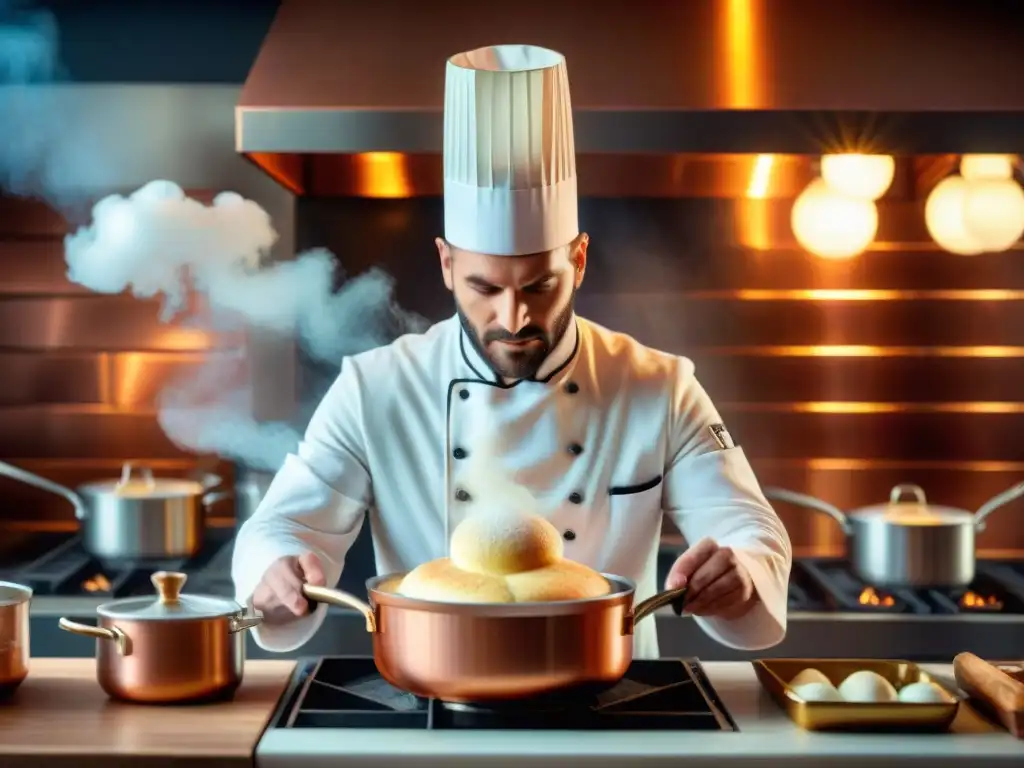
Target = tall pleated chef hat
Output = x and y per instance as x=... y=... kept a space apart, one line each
x=509 y=153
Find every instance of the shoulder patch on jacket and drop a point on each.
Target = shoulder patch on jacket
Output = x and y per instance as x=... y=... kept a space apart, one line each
x=722 y=436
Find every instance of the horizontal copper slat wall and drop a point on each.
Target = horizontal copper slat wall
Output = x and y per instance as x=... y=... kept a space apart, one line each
x=744 y=323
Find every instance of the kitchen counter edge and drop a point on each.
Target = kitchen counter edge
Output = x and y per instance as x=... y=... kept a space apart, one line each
x=60 y=716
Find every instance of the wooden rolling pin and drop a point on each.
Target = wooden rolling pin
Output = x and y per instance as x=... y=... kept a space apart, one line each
x=1000 y=692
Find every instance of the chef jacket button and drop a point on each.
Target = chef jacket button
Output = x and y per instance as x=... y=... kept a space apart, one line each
x=575 y=449
x=576 y=498
x=464 y=394
x=459 y=453
x=572 y=387
x=462 y=495
x=569 y=534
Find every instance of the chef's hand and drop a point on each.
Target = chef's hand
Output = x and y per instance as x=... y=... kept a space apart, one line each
x=717 y=583
x=279 y=596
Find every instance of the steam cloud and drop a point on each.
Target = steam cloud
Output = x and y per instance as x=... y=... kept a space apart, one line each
x=159 y=244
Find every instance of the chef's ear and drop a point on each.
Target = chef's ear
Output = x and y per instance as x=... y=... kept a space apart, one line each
x=446 y=261
x=579 y=257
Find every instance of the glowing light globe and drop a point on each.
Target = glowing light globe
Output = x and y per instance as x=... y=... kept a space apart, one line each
x=945 y=219
x=975 y=167
x=831 y=224
x=864 y=176
x=994 y=213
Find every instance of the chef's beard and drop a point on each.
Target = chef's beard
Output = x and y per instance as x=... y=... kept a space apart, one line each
x=520 y=364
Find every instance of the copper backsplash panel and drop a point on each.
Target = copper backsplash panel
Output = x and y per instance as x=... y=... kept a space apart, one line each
x=839 y=379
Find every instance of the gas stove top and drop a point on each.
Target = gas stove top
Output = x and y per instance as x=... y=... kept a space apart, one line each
x=346 y=692
x=56 y=565
x=830 y=585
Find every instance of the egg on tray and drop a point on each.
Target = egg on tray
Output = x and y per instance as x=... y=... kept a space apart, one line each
x=812 y=692
x=867 y=687
x=809 y=675
x=923 y=693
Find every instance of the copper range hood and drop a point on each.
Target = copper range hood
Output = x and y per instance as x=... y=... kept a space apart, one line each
x=341 y=89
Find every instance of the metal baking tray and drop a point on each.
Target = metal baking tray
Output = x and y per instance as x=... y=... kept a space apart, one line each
x=775 y=674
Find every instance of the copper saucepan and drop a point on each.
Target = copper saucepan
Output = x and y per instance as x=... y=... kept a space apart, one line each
x=473 y=652
x=14 y=636
x=174 y=648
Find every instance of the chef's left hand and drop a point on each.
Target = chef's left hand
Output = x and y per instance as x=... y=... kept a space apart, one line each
x=718 y=584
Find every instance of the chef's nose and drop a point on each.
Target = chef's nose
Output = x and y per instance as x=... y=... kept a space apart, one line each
x=513 y=315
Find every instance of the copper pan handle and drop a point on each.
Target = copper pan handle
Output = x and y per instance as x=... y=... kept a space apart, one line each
x=342 y=600
x=115 y=635
x=645 y=608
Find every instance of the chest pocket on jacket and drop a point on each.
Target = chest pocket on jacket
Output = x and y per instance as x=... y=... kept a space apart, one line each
x=634 y=525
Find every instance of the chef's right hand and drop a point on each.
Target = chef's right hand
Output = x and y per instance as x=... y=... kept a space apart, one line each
x=279 y=596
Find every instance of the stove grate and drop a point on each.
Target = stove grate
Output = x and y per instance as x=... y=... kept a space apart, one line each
x=346 y=692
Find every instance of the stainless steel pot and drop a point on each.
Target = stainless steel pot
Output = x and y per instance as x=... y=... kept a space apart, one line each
x=175 y=648
x=137 y=517
x=908 y=542
x=484 y=652
x=14 y=636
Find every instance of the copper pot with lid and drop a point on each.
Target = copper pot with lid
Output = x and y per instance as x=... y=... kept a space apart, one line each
x=175 y=648
x=478 y=652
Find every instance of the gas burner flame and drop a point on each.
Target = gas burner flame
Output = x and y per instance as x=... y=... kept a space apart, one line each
x=98 y=583
x=975 y=602
x=876 y=599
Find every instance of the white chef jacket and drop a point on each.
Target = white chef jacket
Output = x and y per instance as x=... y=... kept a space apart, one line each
x=609 y=437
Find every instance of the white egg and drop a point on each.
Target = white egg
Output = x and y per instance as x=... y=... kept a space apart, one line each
x=809 y=676
x=817 y=692
x=867 y=687
x=923 y=693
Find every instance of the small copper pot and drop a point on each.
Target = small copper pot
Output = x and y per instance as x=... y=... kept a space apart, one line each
x=474 y=652
x=177 y=648
x=14 y=637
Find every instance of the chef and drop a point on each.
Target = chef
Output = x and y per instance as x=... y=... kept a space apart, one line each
x=606 y=433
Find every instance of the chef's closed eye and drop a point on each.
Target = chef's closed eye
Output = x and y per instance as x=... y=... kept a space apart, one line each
x=634 y=488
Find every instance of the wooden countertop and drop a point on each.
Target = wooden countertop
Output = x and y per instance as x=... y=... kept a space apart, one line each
x=60 y=717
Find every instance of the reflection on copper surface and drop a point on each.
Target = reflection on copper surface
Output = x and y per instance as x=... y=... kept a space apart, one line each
x=849 y=407
x=856 y=294
x=866 y=465
x=382 y=175
x=286 y=169
x=872 y=597
x=183 y=339
x=976 y=602
x=761 y=177
x=740 y=62
x=130 y=381
x=862 y=350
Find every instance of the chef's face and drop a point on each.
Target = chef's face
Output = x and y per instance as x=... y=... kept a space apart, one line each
x=515 y=309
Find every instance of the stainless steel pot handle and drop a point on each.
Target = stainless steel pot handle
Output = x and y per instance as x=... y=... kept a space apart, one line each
x=995 y=503
x=128 y=469
x=809 y=502
x=216 y=497
x=896 y=494
x=45 y=485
